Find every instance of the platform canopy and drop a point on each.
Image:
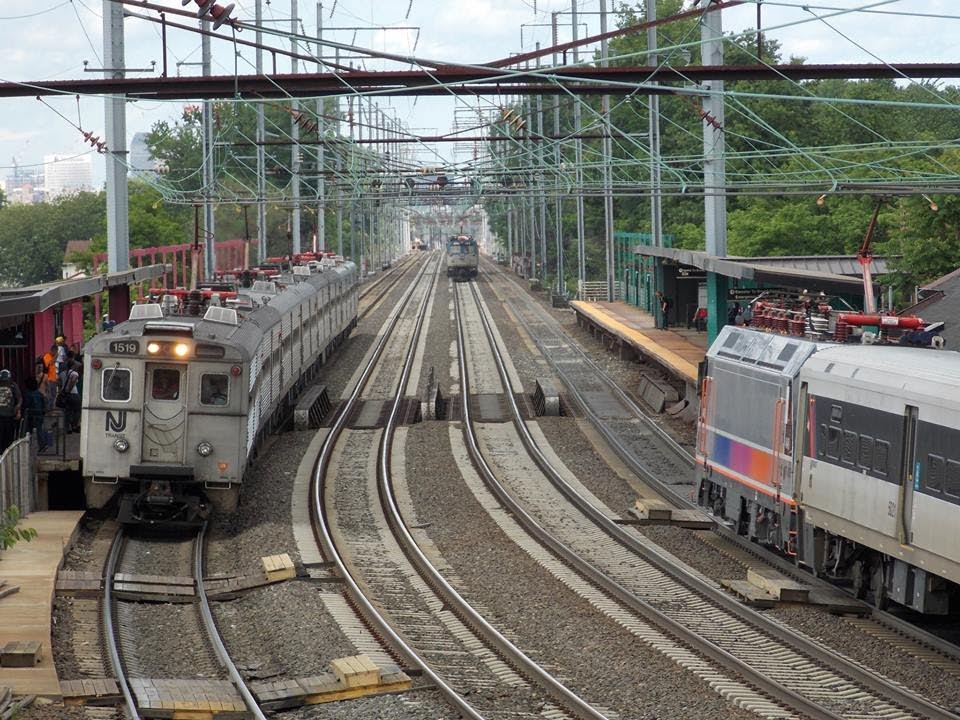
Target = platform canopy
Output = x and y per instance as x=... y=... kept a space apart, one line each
x=37 y=298
x=799 y=272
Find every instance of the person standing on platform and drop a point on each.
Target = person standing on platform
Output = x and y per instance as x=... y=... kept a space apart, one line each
x=71 y=392
x=48 y=383
x=34 y=407
x=664 y=304
x=61 y=345
x=10 y=405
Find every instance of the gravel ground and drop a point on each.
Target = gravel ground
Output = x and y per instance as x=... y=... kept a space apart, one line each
x=833 y=631
x=608 y=665
x=82 y=556
x=43 y=709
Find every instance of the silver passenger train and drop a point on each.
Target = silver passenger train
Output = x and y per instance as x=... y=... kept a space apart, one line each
x=845 y=457
x=177 y=399
x=463 y=257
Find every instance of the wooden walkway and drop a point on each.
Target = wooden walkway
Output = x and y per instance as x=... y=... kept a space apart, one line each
x=636 y=329
x=25 y=615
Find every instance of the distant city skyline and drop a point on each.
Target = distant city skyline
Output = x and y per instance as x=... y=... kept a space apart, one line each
x=65 y=174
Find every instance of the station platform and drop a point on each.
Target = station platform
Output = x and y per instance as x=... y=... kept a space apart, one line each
x=678 y=351
x=26 y=615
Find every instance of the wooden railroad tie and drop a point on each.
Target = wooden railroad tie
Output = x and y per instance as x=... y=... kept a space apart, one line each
x=81 y=584
x=154 y=588
x=188 y=699
x=351 y=677
x=90 y=691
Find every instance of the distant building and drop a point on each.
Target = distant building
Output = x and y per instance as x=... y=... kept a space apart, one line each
x=24 y=185
x=66 y=175
x=939 y=301
x=70 y=268
x=141 y=161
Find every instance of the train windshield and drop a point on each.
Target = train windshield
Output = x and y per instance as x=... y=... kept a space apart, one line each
x=214 y=389
x=166 y=384
x=460 y=248
x=116 y=384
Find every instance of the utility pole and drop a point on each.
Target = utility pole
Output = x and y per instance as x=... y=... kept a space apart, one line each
x=714 y=171
x=656 y=207
x=209 y=229
x=542 y=198
x=115 y=111
x=608 y=163
x=295 y=136
x=558 y=159
x=321 y=149
x=528 y=105
x=578 y=159
x=261 y=148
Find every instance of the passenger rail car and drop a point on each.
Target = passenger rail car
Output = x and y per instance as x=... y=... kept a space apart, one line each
x=846 y=457
x=177 y=399
x=463 y=258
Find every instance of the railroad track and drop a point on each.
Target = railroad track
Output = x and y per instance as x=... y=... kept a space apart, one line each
x=654 y=456
x=379 y=288
x=459 y=653
x=152 y=646
x=780 y=672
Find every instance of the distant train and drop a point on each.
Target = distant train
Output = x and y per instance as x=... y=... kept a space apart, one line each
x=463 y=259
x=177 y=399
x=846 y=457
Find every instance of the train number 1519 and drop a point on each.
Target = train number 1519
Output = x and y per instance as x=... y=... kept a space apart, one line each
x=128 y=347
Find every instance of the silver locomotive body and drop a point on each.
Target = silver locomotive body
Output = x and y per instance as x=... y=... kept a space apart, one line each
x=463 y=258
x=845 y=457
x=175 y=406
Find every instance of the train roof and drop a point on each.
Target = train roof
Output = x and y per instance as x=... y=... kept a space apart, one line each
x=894 y=365
x=241 y=328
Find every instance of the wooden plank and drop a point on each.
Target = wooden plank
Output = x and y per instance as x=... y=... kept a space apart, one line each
x=278 y=567
x=691 y=519
x=749 y=593
x=21 y=654
x=782 y=588
x=12 y=590
x=653 y=509
x=355 y=671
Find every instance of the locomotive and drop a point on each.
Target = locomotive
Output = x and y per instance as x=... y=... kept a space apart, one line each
x=177 y=399
x=844 y=456
x=463 y=259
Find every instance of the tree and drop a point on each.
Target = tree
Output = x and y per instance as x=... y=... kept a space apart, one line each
x=10 y=534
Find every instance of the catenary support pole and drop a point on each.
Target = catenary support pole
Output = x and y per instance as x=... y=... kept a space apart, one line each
x=578 y=162
x=209 y=228
x=115 y=111
x=653 y=100
x=295 y=151
x=261 y=148
x=607 y=166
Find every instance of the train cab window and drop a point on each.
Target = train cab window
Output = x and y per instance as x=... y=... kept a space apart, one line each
x=952 y=487
x=836 y=413
x=214 y=389
x=166 y=384
x=115 y=385
x=936 y=469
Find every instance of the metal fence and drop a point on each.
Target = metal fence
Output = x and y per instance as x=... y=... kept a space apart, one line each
x=18 y=476
x=596 y=290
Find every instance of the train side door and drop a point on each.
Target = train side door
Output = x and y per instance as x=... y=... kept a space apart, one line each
x=909 y=476
x=164 y=413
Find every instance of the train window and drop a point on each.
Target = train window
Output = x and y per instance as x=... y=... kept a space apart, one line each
x=953 y=478
x=166 y=384
x=936 y=469
x=214 y=389
x=848 y=453
x=115 y=385
x=786 y=353
x=865 y=459
x=833 y=443
x=881 y=454
x=836 y=413
x=822 y=441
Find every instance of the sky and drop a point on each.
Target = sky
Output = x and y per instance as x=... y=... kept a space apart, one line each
x=59 y=39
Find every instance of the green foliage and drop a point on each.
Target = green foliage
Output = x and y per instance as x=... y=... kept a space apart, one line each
x=10 y=534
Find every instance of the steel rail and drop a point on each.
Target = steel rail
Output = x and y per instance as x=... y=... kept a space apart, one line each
x=213 y=633
x=629 y=458
x=397 y=274
x=321 y=527
x=109 y=634
x=722 y=658
x=458 y=605
x=820 y=653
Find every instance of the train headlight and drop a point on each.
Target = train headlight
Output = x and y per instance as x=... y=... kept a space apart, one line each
x=181 y=350
x=153 y=348
x=121 y=445
x=204 y=449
